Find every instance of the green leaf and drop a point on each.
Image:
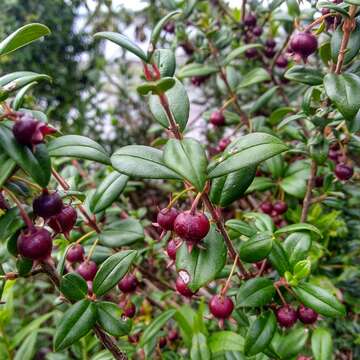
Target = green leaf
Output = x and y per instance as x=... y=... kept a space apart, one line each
x=108 y=191
x=262 y=222
x=36 y=164
x=238 y=228
x=341 y=89
x=27 y=348
x=260 y=184
x=156 y=87
x=239 y=51
x=194 y=69
x=23 y=36
x=112 y=270
x=122 y=41
x=255 y=292
x=109 y=317
x=221 y=341
x=22 y=81
x=154 y=37
x=278 y=258
x=263 y=99
x=256 y=248
x=202 y=265
x=302 y=269
x=229 y=188
x=73 y=287
x=260 y=334
x=199 y=348
x=304 y=75
x=165 y=61
x=340 y=8
x=123 y=233
x=291 y=343
x=297 y=246
x=142 y=162
x=7 y=166
x=247 y=150
x=154 y=327
x=188 y=159
x=77 y=321
x=254 y=76
x=19 y=98
x=179 y=105
x=319 y=300
x=79 y=147
x=298 y=227
x=322 y=344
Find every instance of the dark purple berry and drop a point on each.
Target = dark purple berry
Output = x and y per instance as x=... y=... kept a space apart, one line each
x=319 y=181
x=269 y=53
x=307 y=315
x=286 y=316
x=129 y=310
x=166 y=218
x=170 y=27
x=343 y=171
x=223 y=143
x=75 y=253
x=250 y=20
x=35 y=243
x=303 y=44
x=334 y=155
x=257 y=31
x=182 y=287
x=266 y=207
x=47 y=205
x=221 y=306
x=134 y=339
x=217 y=118
x=173 y=335
x=87 y=270
x=282 y=62
x=199 y=80
x=280 y=207
x=171 y=249
x=251 y=53
x=64 y=221
x=270 y=43
x=162 y=342
x=3 y=204
x=191 y=227
x=128 y=283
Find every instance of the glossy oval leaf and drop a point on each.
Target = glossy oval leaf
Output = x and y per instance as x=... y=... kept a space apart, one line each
x=304 y=75
x=112 y=270
x=238 y=228
x=7 y=165
x=19 y=98
x=298 y=227
x=76 y=322
x=165 y=61
x=221 y=341
x=292 y=343
x=194 y=69
x=73 y=286
x=202 y=265
x=297 y=246
x=78 y=146
x=142 y=162
x=256 y=248
x=322 y=344
x=108 y=191
x=239 y=51
x=279 y=258
x=188 y=159
x=255 y=292
x=199 y=347
x=253 y=77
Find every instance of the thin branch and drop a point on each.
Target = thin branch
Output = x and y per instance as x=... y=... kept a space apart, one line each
x=310 y=186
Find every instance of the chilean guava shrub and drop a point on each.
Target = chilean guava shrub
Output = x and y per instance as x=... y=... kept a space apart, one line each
x=226 y=243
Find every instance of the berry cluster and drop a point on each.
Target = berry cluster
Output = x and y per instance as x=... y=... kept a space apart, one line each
x=275 y=210
x=287 y=315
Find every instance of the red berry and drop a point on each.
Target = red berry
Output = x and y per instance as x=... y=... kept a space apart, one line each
x=87 y=269
x=302 y=357
x=266 y=207
x=221 y=306
x=171 y=249
x=303 y=44
x=198 y=80
x=35 y=243
x=75 y=253
x=47 y=205
x=129 y=309
x=162 y=342
x=250 y=20
x=281 y=62
x=191 y=227
x=270 y=43
x=343 y=171
x=307 y=315
x=173 y=335
x=286 y=316
x=257 y=31
x=182 y=288
x=166 y=218
x=217 y=118
x=128 y=283
x=251 y=53
x=134 y=339
x=280 y=207
x=334 y=155
x=223 y=143
x=64 y=221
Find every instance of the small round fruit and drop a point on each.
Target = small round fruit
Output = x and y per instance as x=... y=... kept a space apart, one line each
x=343 y=171
x=257 y=31
x=128 y=283
x=221 y=306
x=87 y=269
x=334 y=155
x=134 y=339
x=182 y=288
x=192 y=227
x=166 y=218
x=250 y=20
x=270 y=43
x=282 y=62
x=217 y=118
x=35 y=243
x=75 y=253
x=162 y=342
x=47 y=205
x=129 y=309
x=280 y=207
x=173 y=335
x=171 y=249
x=266 y=207
x=170 y=27
x=303 y=44
x=269 y=53
x=64 y=221
x=319 y=181
x=223 y=143
x=286 y=316
x=307 y=315
x=251 y=53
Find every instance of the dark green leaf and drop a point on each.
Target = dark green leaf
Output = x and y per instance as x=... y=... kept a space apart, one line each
x=191 y=70
x=263 y=99
x=165 y=61
x=77 y=321
x=199 y=348
x=260 y=184
x=298 y=227
x=156 y=87
x=188 y=159
x=291 y=343
x=297 y=246
x=322 y=344
x=112 y=270
x=142 y=162
x=73 y=286
x=7 y=165
x=278 y=258
x=304 y=75
x=255 y=292
x=238 y=228
x=256 y=248
x=260 y=334
x=202 y=265
x=254 y=76
x=239 y=51
x=225 y=341
x=19 y=98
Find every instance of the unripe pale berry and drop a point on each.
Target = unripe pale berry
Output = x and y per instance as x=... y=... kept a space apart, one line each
x=35 y=243
x=221 y=306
